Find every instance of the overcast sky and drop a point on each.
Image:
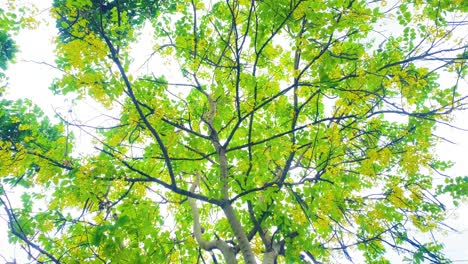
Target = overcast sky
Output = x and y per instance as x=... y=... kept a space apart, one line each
x=30 y=78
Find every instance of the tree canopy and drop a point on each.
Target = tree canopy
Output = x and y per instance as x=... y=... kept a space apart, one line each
x=288 y=131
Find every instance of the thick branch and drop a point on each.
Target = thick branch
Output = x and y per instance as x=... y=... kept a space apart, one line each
x=227 y=251
x=236 y=226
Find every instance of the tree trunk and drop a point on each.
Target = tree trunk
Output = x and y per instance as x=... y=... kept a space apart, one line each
x=269 y=257
x=236 y=226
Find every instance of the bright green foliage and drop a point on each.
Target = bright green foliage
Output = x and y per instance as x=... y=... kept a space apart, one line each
x=7 y=49
x=26 y=149
x=13 y=16
x=7 y=45
x=295 y=132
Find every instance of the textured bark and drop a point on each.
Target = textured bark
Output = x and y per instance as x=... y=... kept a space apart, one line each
x=272 y=248
x=269 y=257
x=231 y=216
x=236 y=226
x=233 y=220
x=226 y=250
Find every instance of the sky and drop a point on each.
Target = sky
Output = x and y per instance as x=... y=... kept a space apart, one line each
x=31 y=76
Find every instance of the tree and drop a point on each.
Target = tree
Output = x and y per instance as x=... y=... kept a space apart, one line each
x=297 y=130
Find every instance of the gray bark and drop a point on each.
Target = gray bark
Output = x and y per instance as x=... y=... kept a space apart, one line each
x=226 y=250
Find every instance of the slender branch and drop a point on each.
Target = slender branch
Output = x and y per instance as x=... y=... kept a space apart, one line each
x=13 y=222
x=132 y=96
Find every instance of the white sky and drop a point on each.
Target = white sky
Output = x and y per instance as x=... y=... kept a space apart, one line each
x=31 y=80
